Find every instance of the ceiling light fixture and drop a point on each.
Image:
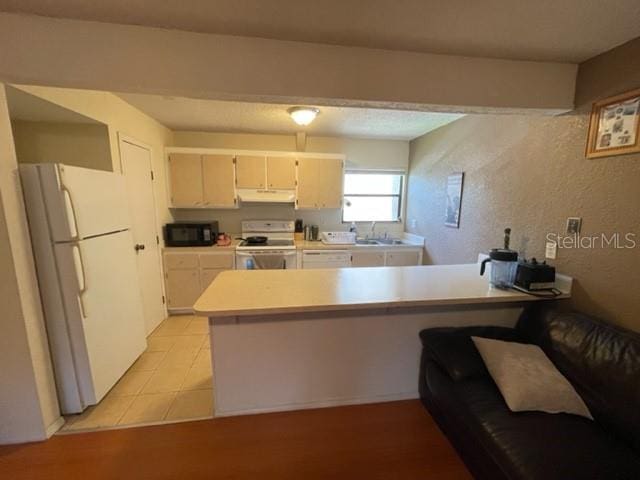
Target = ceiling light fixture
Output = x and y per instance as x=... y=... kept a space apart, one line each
x=303 y=115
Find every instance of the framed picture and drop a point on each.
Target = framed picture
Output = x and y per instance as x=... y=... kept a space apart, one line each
x=454 y=199
x=614 y=128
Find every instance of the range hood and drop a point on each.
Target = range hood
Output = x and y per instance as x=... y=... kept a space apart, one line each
x=266 y=196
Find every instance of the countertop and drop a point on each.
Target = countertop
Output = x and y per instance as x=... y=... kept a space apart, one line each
x=300 y=245
x=318 y=245
x=212 y=248
x=261 y=292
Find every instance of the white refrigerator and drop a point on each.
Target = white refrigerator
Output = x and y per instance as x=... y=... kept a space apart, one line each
x=85 y=260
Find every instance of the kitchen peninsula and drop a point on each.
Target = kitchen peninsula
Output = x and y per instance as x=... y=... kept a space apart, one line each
x=291 y=339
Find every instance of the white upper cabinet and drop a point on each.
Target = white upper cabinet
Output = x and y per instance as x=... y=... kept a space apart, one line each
x=266 y=172
x=281 y=173
x=320 y=182
x=185 y=177
x=251 y=171
x=219 y=178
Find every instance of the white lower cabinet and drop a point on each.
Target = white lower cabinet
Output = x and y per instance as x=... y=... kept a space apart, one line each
x=367 y=259
x=402 y=259
x=183 y=288
x=389 y=258
x=188 y=274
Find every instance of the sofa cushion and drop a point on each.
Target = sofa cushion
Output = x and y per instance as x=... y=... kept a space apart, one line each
x=535 y=445
x=527 y=379
x=453 y=349
x=600 y=360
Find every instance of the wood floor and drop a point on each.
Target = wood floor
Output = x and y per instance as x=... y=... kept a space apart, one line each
x=391 y=441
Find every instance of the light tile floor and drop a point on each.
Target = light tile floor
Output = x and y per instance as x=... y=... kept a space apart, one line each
x=171 y=381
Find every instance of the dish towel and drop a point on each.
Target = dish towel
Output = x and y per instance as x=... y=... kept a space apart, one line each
x=269 y=262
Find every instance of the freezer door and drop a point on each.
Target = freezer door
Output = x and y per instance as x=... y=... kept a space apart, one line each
x=105 y=321
x=82 y=202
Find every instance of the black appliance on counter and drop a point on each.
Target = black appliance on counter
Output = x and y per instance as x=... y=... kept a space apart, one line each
x=535 y=276
x=194 y=234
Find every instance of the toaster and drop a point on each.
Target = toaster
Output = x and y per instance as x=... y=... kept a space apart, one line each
x=533 y=276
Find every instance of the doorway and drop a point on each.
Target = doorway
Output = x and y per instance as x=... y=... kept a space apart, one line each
x=137 y=169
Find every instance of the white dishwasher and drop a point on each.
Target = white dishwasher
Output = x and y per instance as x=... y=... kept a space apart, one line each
x=326 y=258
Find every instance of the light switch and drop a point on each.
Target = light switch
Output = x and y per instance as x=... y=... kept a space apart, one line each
x=574 y=224
x=551 y=251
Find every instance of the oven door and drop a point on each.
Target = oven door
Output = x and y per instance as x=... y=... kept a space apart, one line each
x=266 y=259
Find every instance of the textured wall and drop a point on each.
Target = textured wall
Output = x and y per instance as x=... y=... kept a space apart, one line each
x=530 y=173
x=613 y=72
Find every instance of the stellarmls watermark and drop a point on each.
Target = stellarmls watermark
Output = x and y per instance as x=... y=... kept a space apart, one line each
x=621 y=241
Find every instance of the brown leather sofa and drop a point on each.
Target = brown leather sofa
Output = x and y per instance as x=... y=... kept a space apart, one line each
x=601 y=361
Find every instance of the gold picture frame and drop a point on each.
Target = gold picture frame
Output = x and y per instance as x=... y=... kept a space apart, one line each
x=614 y=126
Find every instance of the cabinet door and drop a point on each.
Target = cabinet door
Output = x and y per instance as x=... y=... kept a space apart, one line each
x=185 y=171
x=217 y=260
x=209 y=275
x=219 y=181
x=330 y=179
x=367 y=259
x=308 y=183
x=281 y=173
x=183 y=287
x=250 y=171
x=402 y=259
x=175 y=261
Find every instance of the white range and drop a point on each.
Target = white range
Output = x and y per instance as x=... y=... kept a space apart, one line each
x=267 y=245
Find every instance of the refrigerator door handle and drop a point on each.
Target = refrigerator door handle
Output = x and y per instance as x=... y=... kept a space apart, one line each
x=71 y=212
x=82 y=277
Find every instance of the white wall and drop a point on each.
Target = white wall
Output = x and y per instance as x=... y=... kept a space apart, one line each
x=377 y=154
x=28 y=402
x=135 y=59
x=80 y=144
x=120 y=118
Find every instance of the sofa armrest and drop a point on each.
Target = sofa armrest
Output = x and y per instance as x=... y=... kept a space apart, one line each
x=454 y=351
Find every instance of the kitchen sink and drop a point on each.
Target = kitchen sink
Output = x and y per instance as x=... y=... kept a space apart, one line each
x=379 y=241
x=390 y=241
x=366 y=241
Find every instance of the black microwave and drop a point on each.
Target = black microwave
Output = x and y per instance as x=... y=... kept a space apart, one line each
x=191 y=234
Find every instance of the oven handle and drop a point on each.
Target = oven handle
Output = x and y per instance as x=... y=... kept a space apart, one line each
x=266 y=252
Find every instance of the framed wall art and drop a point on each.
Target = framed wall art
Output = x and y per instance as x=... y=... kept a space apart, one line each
x=454 y=199
x=614 y=128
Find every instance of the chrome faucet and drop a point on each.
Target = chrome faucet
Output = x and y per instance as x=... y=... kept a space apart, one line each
x=373 y=229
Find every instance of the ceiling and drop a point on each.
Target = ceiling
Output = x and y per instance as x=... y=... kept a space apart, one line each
x=549 y=30
x=186 y=114
x=29 y=108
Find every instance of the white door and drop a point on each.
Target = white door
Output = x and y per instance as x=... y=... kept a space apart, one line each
x=136 y=167
x=99 y=285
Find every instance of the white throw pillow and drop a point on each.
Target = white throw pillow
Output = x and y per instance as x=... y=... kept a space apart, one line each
x=527 y=379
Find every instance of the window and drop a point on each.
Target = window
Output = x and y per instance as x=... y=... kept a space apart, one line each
x=372 y=196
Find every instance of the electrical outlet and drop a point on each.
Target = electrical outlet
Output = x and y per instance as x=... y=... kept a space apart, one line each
x=551 y=250
x=574 y=224
x=414 y=223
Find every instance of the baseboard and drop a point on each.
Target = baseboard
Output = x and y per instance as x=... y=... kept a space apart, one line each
x=55 y=426
x=340 y=402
